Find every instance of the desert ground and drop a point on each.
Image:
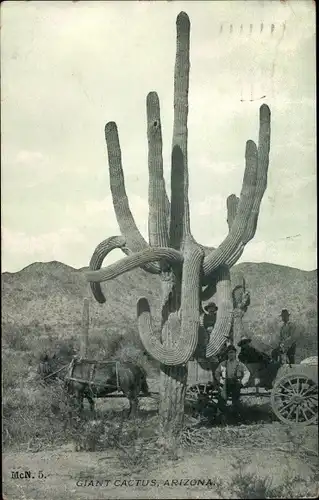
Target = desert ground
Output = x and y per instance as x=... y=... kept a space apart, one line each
x=257 y=458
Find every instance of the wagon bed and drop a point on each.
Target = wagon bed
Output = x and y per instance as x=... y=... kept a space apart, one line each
x=292 y=389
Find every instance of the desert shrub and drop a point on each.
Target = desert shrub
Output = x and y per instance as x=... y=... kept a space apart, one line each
x=15 y=368
x=41 y=416
x=250 y=485
x=102 y=345
x=15 y=337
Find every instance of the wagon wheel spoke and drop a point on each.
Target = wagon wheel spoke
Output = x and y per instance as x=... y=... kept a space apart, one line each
x=305 y=386
x=281 y=395
x=311 y=389
x=291 y=410
x=278 y=394
x=297 y=414
x=312 y=401
x=292 y=386
x=305 y=416
x=312 y=410
x=286 y=389
x=283 y=408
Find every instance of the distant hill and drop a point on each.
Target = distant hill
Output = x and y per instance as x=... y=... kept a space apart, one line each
x=50 y=296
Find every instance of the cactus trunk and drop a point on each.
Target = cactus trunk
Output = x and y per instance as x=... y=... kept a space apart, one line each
x=173 y=380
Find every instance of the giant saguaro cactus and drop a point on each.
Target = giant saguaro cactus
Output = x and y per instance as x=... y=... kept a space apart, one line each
x=189 y=272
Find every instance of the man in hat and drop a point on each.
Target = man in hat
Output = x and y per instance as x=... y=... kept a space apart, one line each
x=286 y=349
x=230 y=376
x=210 y=316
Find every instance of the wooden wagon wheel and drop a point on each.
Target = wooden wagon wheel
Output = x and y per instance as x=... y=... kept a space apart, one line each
x=201 y=394
x=294 y=399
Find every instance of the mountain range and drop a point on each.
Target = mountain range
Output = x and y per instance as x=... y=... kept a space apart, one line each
x=50 y=296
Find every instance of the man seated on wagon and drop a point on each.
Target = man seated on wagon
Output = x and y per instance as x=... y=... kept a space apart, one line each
x=230 y=376
x=286 y=349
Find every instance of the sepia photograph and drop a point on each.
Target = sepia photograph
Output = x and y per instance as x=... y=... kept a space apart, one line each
x=159 y=249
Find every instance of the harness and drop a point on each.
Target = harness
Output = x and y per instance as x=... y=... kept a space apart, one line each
x=94 y=365
x=54 y=373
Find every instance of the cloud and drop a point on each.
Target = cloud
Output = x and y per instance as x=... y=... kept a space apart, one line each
x=29 y=157
x=50 y=244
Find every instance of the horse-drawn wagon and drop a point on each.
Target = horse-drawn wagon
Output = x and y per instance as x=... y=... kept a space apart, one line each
x=292 y=389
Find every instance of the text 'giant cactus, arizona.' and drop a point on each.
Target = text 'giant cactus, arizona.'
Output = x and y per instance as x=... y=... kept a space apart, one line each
x=189 y=271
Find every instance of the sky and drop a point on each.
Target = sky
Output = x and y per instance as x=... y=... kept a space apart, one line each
x=70 y=67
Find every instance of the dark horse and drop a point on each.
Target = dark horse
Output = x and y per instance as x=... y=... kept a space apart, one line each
x=107 y=378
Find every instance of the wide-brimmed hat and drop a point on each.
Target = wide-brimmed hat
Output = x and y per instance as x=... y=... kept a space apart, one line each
x=284 y=311
x=210 y=305
x=244 y=340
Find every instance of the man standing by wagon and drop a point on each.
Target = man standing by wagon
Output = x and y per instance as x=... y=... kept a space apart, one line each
x=230 y=376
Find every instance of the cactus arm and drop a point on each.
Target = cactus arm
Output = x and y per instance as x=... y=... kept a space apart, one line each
x=150 y=268
x=157 y=196
x=261 y=185
x=180 y=134
x=230 y=243
x=130 y=262
x=183 y=349
x=232 y=205
x=177 y=199
x=126 y=222
x=99 y=254
x=224 y=314
x=263 y=164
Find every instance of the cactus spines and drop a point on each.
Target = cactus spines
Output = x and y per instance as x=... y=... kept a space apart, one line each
x=180 y=132
x=224 y=315
x=101 y=251
x=185 y=341
x=189 y=272
x=134 y=239
x=159 y=206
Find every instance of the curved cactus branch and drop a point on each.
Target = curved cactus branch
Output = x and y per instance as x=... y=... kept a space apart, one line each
x=224 y=314
x=135 y=260
x=230 y=243
x=182 y=350
x=179 y=172
x=125 y=219
x=157 y=197
x=99 y=254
